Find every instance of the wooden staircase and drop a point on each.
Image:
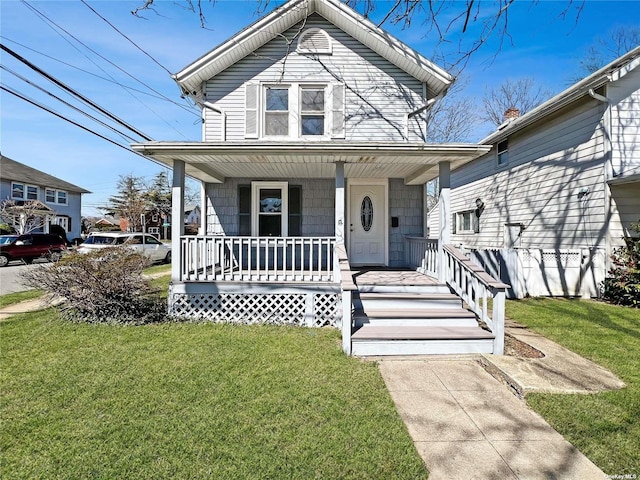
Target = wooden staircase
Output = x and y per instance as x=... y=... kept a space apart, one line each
x=414 y=320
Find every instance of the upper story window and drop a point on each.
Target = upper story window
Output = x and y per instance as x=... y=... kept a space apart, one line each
x=21 y=191
x=294 y=111
x=276 y=111
x=314 y=40
x=55 y=196
x=312 y=114
x=503 y=152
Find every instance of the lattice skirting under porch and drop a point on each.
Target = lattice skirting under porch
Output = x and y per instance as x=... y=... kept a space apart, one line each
x=311 y=308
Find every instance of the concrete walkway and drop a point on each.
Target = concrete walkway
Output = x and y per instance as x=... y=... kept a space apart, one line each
x=467 y=418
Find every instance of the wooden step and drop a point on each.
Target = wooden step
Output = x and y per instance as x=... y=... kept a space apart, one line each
x=372 y=340
x=444 y=317
x=429 y=289
x=406 y=300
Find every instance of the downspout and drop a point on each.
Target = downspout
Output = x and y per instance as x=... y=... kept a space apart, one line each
x=608 y=174
x=410 y=115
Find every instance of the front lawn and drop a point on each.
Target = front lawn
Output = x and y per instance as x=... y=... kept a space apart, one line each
x=604 y=426
x=192 y=401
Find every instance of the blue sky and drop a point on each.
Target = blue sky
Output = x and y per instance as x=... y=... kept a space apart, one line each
x=543 y=46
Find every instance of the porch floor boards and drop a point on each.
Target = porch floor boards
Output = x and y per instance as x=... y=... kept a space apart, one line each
x=389 y=276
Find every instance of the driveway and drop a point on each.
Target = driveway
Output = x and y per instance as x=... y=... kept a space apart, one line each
x=10 y=280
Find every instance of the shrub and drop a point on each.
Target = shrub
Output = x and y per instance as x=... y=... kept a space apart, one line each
x=623 y=284
x=103 y=286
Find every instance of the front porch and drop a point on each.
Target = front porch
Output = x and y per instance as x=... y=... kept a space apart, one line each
x=308 y=281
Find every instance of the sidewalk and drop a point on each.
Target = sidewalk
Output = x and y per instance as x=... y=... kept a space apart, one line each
x=467 y=423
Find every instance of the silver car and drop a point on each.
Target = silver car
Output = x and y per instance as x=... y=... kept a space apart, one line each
x=143 y=243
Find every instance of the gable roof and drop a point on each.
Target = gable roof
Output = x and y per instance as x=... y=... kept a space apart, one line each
x=281 y=19
x=609 y=73
x=11 y=170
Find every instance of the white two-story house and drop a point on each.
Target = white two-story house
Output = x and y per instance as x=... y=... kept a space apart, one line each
x=313 y=165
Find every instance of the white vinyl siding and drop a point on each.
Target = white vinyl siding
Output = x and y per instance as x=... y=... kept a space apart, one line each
x=625 y=123
x=548 y=164
x=377 y=96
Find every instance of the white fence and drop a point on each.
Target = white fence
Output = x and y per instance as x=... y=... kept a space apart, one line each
x=256 y=259
x=545 y=272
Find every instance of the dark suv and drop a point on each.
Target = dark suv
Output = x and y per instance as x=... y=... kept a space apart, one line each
x=31 y=246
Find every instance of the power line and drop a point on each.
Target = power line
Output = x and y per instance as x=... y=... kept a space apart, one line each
x=104 y=124
x=52 y=112
x=111 y=80
x=74 y=92
x=130 y=41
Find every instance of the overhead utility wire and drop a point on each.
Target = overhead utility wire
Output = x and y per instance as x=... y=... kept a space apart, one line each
x=46 y=109
x=130 y=41
x=110 y=80
x=74 y=92
x=104 y=124
x=42 y=15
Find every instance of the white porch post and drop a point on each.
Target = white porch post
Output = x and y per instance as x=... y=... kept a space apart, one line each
x=339 y=214
x=204 y=205
x=177 y=218
x=444 y=213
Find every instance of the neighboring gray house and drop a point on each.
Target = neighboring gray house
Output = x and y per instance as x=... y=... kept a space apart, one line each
x=558 y=189
x=20 y=182
x=313 y=161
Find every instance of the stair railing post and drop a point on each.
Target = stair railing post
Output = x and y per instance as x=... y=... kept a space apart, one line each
x=497 y=320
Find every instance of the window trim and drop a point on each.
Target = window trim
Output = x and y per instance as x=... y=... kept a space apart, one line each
x=66 y=197
x=256 y=186
x=56 y=196
x=502 y=153
x=473 y=222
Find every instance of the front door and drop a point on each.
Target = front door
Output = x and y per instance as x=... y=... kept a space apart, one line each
x=367 y=229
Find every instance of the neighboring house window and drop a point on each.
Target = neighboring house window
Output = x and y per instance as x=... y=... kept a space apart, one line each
x=32 y=192
x=55 y=196
x=154 y=217
x=154 y=230
x=503 y=152
x=270 y=209
x=466 y=222
x=61 y=197
x=276 y=112
x=314 y=40
x=17 y=190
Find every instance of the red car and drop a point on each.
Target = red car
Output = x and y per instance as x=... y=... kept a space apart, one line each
x=31 y=246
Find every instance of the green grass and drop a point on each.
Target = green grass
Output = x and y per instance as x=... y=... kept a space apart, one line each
x=187 y=400
x=12 y=298
x=604 y=426
x=157 y=269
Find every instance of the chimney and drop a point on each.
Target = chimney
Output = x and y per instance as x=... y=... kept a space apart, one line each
x=511 y=113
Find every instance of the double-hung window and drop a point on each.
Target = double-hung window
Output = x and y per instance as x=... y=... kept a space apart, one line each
x=21 y=191
x=312 y=113
x=276 y=111
x=503 y=152
x=17 y=190
x=270 y=209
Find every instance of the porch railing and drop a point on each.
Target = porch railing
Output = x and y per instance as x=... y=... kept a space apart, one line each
x=422 y=255
x=347 y=287
x=478 y=290
x=257 y=259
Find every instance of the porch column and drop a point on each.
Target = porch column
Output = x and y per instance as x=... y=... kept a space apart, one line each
x=339 y=214
x=204 y=203
x=444 y=213
x=177 y=218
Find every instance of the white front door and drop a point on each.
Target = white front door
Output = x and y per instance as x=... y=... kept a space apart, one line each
x=367 y=229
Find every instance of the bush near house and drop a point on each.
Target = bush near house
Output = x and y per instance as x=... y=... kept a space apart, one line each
x=104 y=286
x=622 y=287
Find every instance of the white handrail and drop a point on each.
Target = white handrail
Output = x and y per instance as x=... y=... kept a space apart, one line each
x=475 y=286
x=257 y=259
x=422 y=255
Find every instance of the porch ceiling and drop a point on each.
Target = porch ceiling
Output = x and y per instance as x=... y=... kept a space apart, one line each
x=213 y=162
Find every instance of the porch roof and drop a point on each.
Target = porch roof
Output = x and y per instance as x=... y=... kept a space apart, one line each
x=212 y=162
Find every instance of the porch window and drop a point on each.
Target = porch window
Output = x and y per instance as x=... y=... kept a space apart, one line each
x=269 y=209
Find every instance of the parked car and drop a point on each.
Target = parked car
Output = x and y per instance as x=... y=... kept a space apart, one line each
x=31 y=246
x=144 y=243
